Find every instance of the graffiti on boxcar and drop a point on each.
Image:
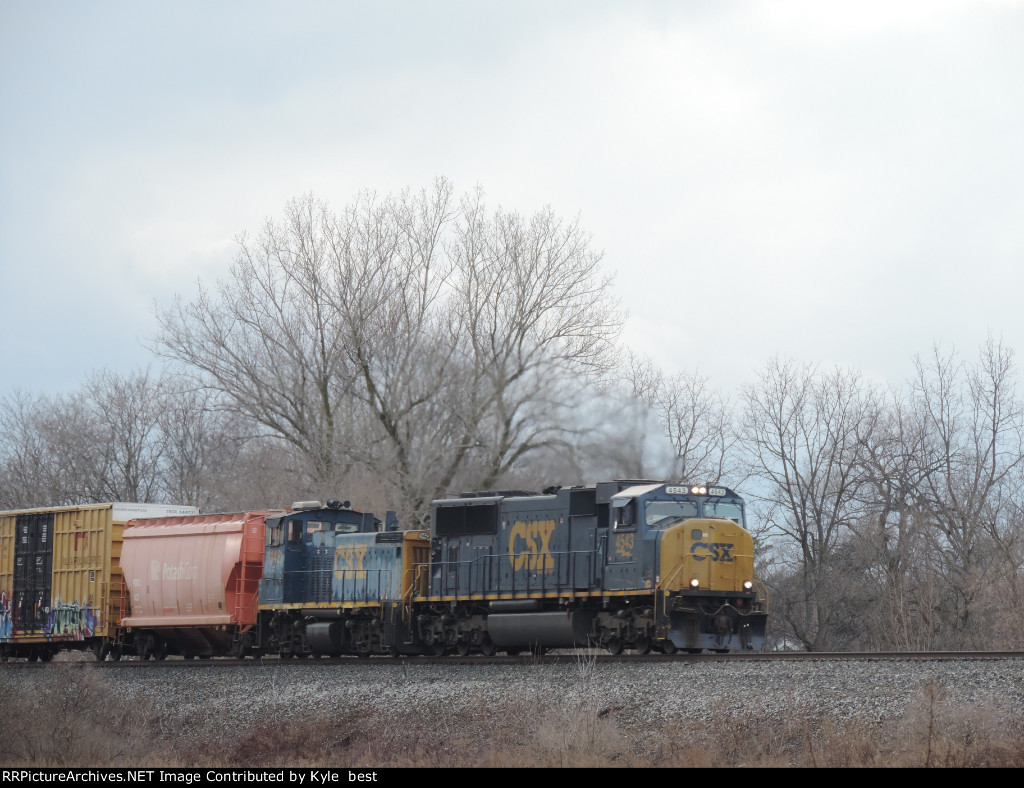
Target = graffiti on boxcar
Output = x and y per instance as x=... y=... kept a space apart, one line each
x=71 y=620
x=6 y=619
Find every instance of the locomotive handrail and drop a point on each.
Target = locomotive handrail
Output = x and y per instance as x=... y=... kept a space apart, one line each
x=486 y=572
x=762 y=590
x=666 y=580
x=364 y=575
x=353 y=576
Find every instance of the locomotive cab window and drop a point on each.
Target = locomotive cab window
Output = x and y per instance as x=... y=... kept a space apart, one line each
x=623 y=516
x=317 y=526
x=663 y=512
x=724 y=511
x=295 y=531
x=275 y=532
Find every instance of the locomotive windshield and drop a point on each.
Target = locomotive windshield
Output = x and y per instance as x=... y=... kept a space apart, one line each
x=724 y=511
x=661 y=512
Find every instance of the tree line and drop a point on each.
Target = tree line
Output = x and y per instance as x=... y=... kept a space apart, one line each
x=416 y=344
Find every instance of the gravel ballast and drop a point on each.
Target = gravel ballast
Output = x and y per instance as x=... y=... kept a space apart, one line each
x=640 y=697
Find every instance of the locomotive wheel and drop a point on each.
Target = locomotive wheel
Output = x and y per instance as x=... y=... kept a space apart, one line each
x=437 y=648
x=462 y=648
x=642 y=646
x=668 y=647
x=115 y=653
x=487 y=646
x=614 y=646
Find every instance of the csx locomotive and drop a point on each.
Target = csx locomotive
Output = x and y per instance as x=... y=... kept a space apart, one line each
x=636 y=564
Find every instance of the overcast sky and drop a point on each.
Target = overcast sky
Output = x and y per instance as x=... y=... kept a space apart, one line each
x=838 y=183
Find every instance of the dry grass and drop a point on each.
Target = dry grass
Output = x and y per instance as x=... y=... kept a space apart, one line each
x=74 y=720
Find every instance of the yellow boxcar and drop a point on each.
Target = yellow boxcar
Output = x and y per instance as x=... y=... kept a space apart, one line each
x=60 y=576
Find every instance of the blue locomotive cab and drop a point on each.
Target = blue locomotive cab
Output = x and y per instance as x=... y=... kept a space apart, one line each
x=296 y=564
x=640 y=516
x=661 y=505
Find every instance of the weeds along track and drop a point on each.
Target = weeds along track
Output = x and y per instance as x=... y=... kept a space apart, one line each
x=563 y=709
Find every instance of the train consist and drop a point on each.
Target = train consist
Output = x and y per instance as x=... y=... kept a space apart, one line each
x=640 y=564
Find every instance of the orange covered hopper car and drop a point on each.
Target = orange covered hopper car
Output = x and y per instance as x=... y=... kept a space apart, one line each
x=192 y=584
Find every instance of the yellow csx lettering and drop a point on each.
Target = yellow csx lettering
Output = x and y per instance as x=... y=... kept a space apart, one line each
x=529 y=546
x=347 y=559
x=717 y=551
x=624 y=545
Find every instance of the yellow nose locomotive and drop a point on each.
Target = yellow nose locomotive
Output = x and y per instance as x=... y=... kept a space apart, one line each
x=622 y=565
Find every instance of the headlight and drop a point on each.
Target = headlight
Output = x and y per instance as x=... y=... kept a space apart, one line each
x=748 y=585
x=695 y=583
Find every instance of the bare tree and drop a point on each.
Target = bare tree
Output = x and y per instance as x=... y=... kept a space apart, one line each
x=391 y=277
x=892 y=533
x=974 y=423
x=269 y=343
x=203 y=448
x=405 y=334
x=124 y=437
x=803 y=430
x=536 y=318
x=101 y=443
x=28 y=475
x=697 y=419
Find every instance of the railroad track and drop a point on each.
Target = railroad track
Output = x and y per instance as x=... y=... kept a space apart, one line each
x=561 y=657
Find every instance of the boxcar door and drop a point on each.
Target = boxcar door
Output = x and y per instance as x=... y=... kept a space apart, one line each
x=33 y=571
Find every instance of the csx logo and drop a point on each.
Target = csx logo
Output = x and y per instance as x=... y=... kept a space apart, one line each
x=350 y=558
x=716 y=551
x=529 y=546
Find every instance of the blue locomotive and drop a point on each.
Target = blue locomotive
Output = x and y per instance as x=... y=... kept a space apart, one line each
x=629 y=564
